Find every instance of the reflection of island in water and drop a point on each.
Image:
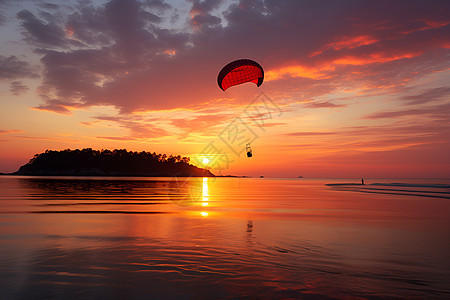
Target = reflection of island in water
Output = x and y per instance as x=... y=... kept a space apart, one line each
x=118 y=195
x=88 y=162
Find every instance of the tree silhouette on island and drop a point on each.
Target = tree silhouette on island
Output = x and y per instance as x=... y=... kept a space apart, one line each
x=118 y=162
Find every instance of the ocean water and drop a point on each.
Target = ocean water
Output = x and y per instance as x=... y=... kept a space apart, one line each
x=191 y=238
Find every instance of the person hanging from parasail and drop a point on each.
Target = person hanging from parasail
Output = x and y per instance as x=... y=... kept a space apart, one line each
x=249 y=150
x=239 y=72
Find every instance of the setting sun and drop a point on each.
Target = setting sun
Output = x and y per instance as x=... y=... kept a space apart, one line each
x=205 y=161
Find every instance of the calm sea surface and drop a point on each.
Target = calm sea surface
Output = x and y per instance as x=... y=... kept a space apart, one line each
x=223 y=238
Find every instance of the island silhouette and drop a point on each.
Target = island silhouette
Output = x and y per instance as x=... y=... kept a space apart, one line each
x=118 y=162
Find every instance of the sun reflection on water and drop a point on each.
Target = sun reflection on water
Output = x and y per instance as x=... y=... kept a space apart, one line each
x=205 y=195
x=205 y=192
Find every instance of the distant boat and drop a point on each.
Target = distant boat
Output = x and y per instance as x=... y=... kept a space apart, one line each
x=300 y=177
x=261 y=176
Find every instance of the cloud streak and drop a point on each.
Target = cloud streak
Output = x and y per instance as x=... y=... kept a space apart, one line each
x=428 y=96
x=12 y=67
x=436 y=112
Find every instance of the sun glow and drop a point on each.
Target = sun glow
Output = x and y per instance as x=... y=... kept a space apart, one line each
x=205 y=161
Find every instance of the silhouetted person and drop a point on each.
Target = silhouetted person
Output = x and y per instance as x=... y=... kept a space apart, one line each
x=362 y=181
x=249 y=150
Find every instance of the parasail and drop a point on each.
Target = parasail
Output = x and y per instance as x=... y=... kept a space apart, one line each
x=240 y=71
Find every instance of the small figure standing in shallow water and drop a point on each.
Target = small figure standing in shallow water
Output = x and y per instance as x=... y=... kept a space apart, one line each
x=362 y=181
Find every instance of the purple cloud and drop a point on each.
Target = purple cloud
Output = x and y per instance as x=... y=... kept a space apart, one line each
x=430 y=130
x=36 y=31
x=428 y=96
x=2 y=19
x=13 y=68
x=120 y=54
x=201 y=14
x=17 y=88
x=324 y=104
x=57 y=106
x=158 y=5
x=47 y=5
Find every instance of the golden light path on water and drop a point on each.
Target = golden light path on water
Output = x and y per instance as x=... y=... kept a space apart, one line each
x=205 y=195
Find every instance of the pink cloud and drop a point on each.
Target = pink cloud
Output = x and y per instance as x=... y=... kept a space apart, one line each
x=44 y=138
x=206 y=124
x=138 y=126
x=436 y=112
x=3 y=131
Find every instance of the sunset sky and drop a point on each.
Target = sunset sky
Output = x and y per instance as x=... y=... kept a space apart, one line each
x=356 y=88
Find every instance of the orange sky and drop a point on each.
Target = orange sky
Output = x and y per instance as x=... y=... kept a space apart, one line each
x=350 y=90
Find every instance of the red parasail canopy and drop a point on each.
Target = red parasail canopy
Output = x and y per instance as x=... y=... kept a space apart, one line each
x=240 y=71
